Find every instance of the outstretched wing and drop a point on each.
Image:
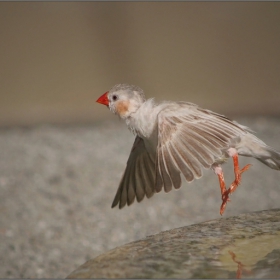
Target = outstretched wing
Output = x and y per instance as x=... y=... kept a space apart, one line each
x=190 y=138
x=139 y=177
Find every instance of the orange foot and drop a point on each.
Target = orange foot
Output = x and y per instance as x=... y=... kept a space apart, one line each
x=226 y=192
x=225 y=199
x=237 y=173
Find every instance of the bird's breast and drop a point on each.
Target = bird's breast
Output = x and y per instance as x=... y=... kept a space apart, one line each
x=144 y=121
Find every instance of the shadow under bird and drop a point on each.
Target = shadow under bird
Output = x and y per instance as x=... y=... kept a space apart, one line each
x=178 y=137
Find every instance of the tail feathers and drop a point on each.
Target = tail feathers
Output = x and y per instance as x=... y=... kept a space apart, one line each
x=251 y=146
x=272 y=159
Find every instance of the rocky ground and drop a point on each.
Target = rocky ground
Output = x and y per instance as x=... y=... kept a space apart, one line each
x=57 y=184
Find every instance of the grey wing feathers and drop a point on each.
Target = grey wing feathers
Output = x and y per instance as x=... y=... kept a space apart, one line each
x=189 y=139
x=139 y=177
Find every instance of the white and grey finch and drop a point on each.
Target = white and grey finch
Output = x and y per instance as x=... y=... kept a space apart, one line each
x=178 y=137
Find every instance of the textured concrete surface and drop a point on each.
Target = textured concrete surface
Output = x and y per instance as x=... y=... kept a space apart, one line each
x=247 y=245
x=57 y=184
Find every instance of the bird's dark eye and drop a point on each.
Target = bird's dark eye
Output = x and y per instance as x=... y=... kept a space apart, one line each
x=114 y=97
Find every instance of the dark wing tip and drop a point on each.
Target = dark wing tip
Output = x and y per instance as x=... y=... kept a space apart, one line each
x=114 y=204
x=122 y=205
x=149 y=194
x=116 y=200
x=130 y=200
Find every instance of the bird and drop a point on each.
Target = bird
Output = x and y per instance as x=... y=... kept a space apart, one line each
x=174 y=138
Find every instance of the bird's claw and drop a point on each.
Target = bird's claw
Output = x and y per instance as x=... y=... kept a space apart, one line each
x=233 y=186
x=246 y=167
x=225 y=199
x=237 y=180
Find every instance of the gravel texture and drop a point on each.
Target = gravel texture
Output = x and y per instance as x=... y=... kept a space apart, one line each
x=57 y=184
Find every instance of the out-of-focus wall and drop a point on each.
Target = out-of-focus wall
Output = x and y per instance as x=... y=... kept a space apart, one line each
x=56 y=59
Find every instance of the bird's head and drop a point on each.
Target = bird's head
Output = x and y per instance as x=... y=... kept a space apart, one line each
x=123 y=99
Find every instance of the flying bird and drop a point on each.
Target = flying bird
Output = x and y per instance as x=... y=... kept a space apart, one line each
x=179 y=137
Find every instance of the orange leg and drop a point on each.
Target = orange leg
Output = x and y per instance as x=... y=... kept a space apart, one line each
x=224 y=192
x=237 y=173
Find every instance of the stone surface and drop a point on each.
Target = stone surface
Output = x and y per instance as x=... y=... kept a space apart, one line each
x=57 y=184
x=247 y=245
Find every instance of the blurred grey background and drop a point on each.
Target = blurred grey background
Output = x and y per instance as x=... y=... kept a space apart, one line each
x=57 y=58
x=62 y=154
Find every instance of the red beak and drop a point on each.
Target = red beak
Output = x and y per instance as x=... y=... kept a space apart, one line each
x=103 y=99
